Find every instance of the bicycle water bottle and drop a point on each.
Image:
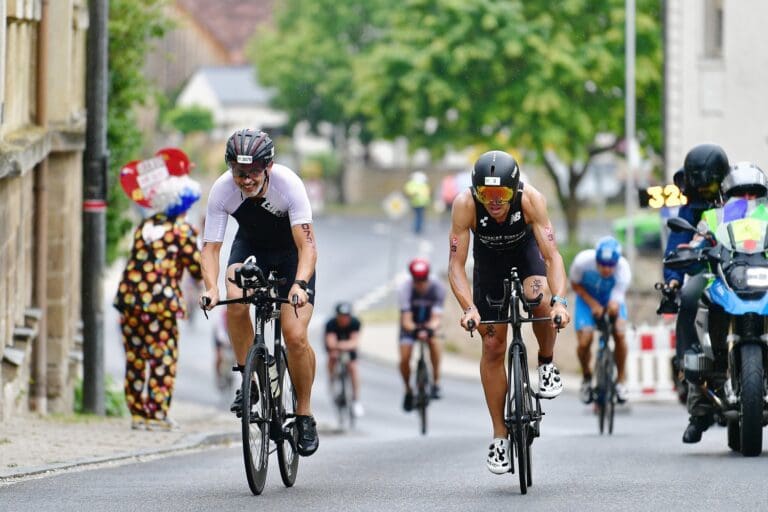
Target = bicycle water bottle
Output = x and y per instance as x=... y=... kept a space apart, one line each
x=273 y=377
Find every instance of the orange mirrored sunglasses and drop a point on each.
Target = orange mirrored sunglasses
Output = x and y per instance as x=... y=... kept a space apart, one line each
x=498 y=195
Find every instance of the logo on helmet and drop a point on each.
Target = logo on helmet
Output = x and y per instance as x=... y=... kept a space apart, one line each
x=492 y=180
x=244 y=159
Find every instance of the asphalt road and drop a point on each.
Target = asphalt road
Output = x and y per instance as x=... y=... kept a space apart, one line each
x=385 y=464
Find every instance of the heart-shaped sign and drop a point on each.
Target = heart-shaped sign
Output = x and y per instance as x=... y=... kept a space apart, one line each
x=140 y=178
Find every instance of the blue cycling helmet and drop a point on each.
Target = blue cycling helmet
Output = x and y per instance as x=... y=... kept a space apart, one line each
x=607 y=251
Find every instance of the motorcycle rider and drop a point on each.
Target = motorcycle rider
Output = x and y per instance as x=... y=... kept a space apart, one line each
x=704 y=168
x=744 y=190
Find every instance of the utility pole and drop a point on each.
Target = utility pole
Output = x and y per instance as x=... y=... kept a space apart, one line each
x=95 y=161
x=630 y=192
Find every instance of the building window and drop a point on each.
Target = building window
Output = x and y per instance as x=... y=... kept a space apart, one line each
x=713 y=29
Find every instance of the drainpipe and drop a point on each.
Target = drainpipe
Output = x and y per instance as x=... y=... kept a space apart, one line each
x=39 y=348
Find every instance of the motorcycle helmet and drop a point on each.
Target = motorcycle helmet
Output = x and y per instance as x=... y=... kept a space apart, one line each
x=745 y=178
x=704 y=168
x=495 y=178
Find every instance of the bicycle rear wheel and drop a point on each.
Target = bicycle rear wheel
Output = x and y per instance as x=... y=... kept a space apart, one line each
x=519 y=420
x=287 y=456
x=255 y=419
x=422 y=394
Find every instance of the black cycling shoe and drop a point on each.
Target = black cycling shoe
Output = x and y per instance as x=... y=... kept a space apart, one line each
x=696 y=426
x=435 y=393
x=408 y=402
x=308 y=438
x=237 y=404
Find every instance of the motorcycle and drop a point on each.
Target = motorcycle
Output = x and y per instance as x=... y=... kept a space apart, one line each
x=736 y=262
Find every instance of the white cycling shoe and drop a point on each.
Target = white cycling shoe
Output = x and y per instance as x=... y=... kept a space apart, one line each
x=499 y=460
x=550 y=383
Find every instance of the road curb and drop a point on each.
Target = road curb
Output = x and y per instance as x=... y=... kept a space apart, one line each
x=190 y=442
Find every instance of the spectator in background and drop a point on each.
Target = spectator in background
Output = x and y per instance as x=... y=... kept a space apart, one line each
x=150 y=301
x=417 y=191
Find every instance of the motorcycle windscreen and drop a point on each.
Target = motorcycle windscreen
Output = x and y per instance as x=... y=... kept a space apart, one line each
x=746 y=236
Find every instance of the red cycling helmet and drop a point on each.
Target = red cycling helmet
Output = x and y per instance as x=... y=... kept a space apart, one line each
x=419 y=269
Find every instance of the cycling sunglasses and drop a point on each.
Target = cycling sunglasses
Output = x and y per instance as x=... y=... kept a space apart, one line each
x=494 y=195
x=253 y=170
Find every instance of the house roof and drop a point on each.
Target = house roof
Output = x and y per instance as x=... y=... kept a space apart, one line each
x=235 y=84
x=229 y=22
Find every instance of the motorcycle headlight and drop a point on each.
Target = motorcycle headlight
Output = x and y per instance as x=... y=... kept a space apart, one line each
x=742 y=277
x=757 y=277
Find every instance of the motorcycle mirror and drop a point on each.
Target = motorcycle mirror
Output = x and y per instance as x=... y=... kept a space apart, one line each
x=679 y=225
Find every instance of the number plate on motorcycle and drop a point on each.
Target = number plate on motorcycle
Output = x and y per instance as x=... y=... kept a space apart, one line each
x=757 y=277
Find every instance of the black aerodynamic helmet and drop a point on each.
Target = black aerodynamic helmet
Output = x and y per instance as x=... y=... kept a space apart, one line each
x=249 y=146
x=705 y=167
x=495 y=177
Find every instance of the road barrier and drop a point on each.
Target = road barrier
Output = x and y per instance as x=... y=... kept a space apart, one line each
x=649 y=353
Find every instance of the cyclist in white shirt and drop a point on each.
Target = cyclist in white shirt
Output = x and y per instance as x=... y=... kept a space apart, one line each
x=271 y=206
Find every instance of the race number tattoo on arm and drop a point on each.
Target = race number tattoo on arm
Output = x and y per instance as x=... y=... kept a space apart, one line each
x=307 y=228
x=454 y=246
x=549 y=233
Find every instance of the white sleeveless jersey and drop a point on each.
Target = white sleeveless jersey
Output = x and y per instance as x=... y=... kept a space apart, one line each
x=267 y=219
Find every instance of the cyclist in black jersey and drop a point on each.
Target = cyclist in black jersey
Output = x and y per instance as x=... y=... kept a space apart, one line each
x=272 y=209
x=511 y=228
x=342 y=333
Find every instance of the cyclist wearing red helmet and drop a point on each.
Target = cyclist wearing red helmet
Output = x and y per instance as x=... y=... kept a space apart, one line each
x=421 y=305
x=274 y=216
x=511 y=228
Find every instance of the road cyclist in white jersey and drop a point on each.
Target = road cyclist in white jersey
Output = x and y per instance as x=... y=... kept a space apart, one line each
x=270 y=203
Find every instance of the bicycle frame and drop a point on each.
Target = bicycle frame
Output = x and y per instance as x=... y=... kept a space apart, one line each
x=522 y=418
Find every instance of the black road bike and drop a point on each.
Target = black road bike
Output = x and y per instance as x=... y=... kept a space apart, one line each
x=269 y=398
x=604 y=392
x=523 y=407
x=342 y=391
x=422 y=396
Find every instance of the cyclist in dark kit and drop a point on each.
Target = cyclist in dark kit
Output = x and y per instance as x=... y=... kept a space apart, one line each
x=511 y=228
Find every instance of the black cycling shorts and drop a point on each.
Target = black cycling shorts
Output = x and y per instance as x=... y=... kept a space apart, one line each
x=283 y=261
x=492 y=267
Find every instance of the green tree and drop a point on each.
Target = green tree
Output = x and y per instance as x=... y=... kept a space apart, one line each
x=307 y=56
x=133 y=25
x=190 y=119
x=542 y=76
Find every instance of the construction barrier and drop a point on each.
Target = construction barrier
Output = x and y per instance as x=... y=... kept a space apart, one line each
x=648 y=369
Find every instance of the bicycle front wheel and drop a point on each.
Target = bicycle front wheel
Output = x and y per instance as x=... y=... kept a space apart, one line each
x=422 y=396
x=255 y=419
x=520 y=419
x=287 y=456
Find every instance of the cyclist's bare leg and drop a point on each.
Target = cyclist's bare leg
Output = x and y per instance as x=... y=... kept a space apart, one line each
x=620 y=351
x=406 y=349
x=584 y=350
x=301 y=357
x=434 y=357
x=238 y=319
x=544 y=331
x=354 y=375
x=493 y=375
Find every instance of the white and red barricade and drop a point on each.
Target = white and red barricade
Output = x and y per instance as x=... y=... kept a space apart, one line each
x=649 y=353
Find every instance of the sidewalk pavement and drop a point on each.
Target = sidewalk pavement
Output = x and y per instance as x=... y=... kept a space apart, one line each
x=32 y=445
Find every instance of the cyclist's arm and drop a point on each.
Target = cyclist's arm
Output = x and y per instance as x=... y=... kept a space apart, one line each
x=210 y=270
x=304 y=238
x=352 y=342
x=535 y=211
x=331 y=340
x=462 y=219
x=434 y=319
x=579 y=290
x=406 y=321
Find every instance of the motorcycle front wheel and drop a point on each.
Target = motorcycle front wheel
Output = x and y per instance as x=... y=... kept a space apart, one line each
x=751 y=379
